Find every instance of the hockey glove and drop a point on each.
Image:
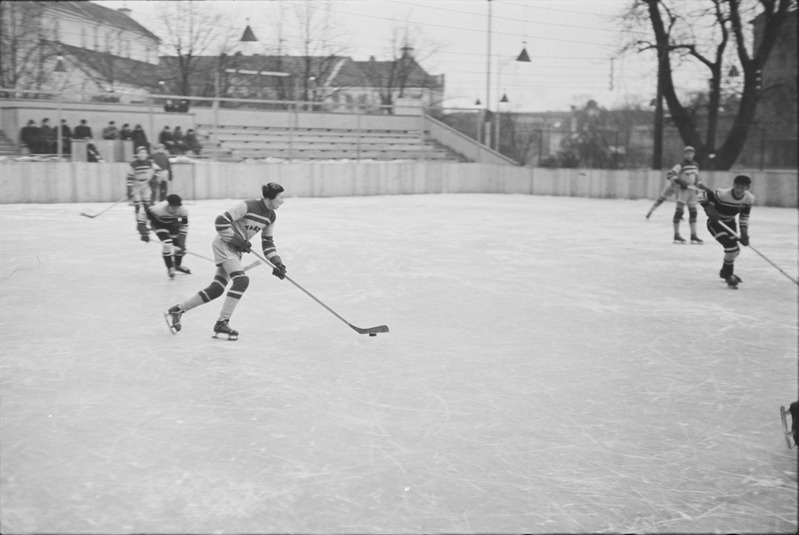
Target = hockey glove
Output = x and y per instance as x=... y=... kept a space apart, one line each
x=744 y=239
x=280 y=270
x=241 y=244
x=711 y=212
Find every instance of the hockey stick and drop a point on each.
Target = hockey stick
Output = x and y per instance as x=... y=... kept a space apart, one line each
x=738 y=237
x=246 y=268
x=123 y=199
x=371 y=331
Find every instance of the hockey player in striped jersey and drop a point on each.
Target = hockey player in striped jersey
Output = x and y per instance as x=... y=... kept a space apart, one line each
x=723 y=205
x=234 y=230
x=142 y=169
x=680 y=178
x=169 y=219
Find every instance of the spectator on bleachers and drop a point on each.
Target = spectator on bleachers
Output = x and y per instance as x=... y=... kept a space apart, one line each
x=49 y=140
x=170 y=106
x=180 y=140
x=140 y=138
x=125 y=133
x=166 y=139
x=30 y=136
x=92 y=154
x=110 y=131
x=191 y=142
x=183 y=106
x=83 y=131
x=66 y=137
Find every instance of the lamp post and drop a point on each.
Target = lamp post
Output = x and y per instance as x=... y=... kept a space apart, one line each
x=59 y=129
x=523 y=57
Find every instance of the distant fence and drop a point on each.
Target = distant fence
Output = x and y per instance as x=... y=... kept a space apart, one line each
x=56 y=182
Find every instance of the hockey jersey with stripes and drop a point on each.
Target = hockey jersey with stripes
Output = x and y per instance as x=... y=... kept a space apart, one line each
x=248 y=218
x=728 y=206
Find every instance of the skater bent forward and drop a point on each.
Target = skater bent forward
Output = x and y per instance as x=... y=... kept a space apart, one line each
x=721 y=207
x=234 y=230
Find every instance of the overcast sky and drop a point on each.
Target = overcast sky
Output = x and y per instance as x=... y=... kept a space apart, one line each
x=570 y=44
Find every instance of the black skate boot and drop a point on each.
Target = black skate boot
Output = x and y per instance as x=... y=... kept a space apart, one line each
x=694 y=240
x=678 y=238
x=172 y=317
x=183 y=269
x=793 y=430
x=733 y=281
x=222 y=327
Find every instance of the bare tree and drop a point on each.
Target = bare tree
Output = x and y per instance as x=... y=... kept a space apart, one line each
x=685 y=34
x=320 y=56
x=191 y=30
x=407 y=47
x=24 y=47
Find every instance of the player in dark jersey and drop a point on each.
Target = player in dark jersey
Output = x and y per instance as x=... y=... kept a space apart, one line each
x=234 y=230
x=169 y=219
x=138 y=178
x=722 y=206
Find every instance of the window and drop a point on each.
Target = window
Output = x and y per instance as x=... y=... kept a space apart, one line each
x=83 y=37
x=96 y=38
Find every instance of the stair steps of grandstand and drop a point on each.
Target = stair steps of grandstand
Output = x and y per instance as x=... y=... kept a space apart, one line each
x=322 y=143
x=341 y=154
x=8 y=147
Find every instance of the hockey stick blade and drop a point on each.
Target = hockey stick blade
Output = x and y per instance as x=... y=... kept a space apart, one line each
x=371 y=331
x=84 y=214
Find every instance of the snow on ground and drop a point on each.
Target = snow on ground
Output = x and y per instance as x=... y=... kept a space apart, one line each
x=554 y=365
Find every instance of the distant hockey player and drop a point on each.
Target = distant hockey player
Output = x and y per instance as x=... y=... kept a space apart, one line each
x=169 y=219
x=680 y=177
x=234 y=230
x=159 y=184
x=721 y=206
x=141 y=171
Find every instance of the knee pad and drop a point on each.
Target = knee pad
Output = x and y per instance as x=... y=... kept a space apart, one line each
x=678 y=213
x=731 y=253
x=214 y=290
x=692 y=215
x=240 y=282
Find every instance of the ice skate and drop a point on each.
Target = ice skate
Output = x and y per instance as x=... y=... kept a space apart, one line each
x=696 y=240
x=790 y=432
x=678 y=238
x=172 y=317
x=733 y=281
x=222 y=327
x=183 y=269
x=171 y=272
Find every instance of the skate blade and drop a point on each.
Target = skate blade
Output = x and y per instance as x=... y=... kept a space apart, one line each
x=168 y=318
x=230 y=338
x=787 y=431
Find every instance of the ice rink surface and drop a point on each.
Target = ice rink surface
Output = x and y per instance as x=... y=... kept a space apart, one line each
x=555 y=365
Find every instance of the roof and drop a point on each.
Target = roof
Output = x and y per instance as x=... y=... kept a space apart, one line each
x=342 y=70
x=85 y=10
x=115 y=68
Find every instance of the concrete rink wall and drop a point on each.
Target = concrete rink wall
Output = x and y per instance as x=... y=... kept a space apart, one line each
x=555 y=365
x=25 y=182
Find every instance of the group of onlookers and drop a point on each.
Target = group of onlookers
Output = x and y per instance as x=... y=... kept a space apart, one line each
x=178 y=143
x=43 y=138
